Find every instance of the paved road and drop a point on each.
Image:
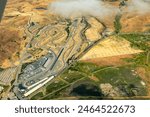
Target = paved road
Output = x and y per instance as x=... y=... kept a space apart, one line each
x=69 y=50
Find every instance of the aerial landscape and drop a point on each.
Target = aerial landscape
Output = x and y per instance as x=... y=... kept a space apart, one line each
x=75 y=49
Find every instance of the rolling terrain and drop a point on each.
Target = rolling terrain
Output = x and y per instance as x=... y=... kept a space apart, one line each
x=87 y=57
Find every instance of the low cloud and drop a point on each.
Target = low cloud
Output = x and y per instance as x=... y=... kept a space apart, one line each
x=96 y=8
x=69 y=8
x=139 y=6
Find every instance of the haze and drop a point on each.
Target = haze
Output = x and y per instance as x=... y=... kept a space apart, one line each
x=97 y=8
x=77 y=8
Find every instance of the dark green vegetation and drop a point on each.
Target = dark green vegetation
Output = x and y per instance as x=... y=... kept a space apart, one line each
x=116 y=76
x=140 y=41
x=117 y=23
x=142 y=60
x=124 y=78
x=12 y=82
x=86 y=89
x=79 y=75
x=25 y=65
x=36 y=36
x=1 y=69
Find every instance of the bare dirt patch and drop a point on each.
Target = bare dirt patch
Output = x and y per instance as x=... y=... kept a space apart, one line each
x=132 y=22
x=93 y=33
x=94 y=78
x=9 y=44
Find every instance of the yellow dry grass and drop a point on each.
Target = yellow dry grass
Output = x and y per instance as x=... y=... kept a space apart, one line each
x=111 y=46
x=132 y=22
x=93 y=33
x=6 y=63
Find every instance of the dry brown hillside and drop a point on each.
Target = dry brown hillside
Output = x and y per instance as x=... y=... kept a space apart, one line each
x=12 y=26
x=9 y=43
x=133 y=22
x=18 y=12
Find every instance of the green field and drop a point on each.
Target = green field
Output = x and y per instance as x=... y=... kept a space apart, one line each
x=125 y=78
x=117 y=23
x=55 y=86
x=139 y=41
x=37 y=96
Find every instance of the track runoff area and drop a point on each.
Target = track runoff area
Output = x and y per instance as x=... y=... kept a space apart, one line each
x=75 y=108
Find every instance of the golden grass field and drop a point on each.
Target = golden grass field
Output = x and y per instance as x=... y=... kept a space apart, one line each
x=93 y=32
x=110 y=47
